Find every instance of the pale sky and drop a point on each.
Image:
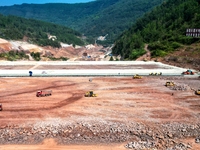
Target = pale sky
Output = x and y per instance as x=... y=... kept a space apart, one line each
x=12 y=2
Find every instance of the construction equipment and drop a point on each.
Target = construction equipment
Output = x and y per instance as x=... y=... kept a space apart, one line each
x=188 y=72
x=155 y=73
x=1 y=107
x=145 y=59
x=151 y=73
x=197 y=92
x=169 y=83
x=137 y=77
x=43 y=93
x=90 y=94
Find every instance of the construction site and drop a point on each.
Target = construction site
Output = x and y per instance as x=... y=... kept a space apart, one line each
x=98 y=106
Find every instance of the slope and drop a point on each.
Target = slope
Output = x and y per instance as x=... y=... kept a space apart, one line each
x=39 y=32
x=94 y=19
x=164 y=29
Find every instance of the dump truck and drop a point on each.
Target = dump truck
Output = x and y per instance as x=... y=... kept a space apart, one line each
x=42 y=93
x=90 y=94
x=1 y=107
x=188 y=72
x=137 y=77
x=197 y=92
x=169 y=83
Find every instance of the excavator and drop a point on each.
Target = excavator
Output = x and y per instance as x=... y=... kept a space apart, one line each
x=197 y=92
x=137 y=77
x=90 y=94
x=169 y=83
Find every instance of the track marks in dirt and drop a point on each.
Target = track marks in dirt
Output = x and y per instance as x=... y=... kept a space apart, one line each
x=75 y=97
x=22 y=91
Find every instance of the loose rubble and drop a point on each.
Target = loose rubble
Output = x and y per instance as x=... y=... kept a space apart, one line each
x=139 y=135
x=180 y=87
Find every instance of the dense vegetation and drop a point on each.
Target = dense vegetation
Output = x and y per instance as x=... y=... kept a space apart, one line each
x=16 y=28
x=164 y=29
x=14 y=55
x=93 y=19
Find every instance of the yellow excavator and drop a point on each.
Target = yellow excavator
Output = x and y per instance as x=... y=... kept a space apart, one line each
x=169 y=83
x=137 y=77
x=197 y=92
x=90 y=94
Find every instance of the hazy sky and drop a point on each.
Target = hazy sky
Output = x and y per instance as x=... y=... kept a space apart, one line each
x=12 y=2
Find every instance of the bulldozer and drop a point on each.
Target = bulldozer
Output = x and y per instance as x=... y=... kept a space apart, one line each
x=197 y=92
x=169 y=83
x=90 y=94
x=137 y=77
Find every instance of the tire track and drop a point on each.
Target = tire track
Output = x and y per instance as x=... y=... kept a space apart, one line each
x=75 y=97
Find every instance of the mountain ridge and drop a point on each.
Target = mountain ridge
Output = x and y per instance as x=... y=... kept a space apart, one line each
x=93 y=19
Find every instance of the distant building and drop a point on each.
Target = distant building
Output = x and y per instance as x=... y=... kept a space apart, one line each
x=193 y=32
x=52 y=37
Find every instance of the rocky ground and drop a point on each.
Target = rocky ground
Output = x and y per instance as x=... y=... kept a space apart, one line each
x=135 y=113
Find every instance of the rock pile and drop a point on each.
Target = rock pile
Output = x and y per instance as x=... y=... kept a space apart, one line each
x=140 y=136
x=180 y=87
x=140 y=145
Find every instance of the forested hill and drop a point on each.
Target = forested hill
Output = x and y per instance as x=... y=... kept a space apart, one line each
x=34 y=31
x=164 y=29
x=96 y=18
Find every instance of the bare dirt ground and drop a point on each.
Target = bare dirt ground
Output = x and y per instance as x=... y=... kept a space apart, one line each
x=123 y=104
x=127 y=113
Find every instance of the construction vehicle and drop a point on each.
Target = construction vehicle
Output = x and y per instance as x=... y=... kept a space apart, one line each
x=1 y=107
x=43 y=93
x=90 y=94
x=145 y=59
x=137 y=77
x=197 y=92
x=155 y=73
x=188 y=72
x=151 y=73
x=169 y=83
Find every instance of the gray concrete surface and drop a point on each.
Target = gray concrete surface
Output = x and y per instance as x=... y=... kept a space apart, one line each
x=123 y=71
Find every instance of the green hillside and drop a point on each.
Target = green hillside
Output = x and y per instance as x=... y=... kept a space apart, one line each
x=34 y=31
x=164 y=29
x=93 y=19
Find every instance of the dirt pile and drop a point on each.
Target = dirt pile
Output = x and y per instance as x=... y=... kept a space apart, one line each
x=5 y=45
